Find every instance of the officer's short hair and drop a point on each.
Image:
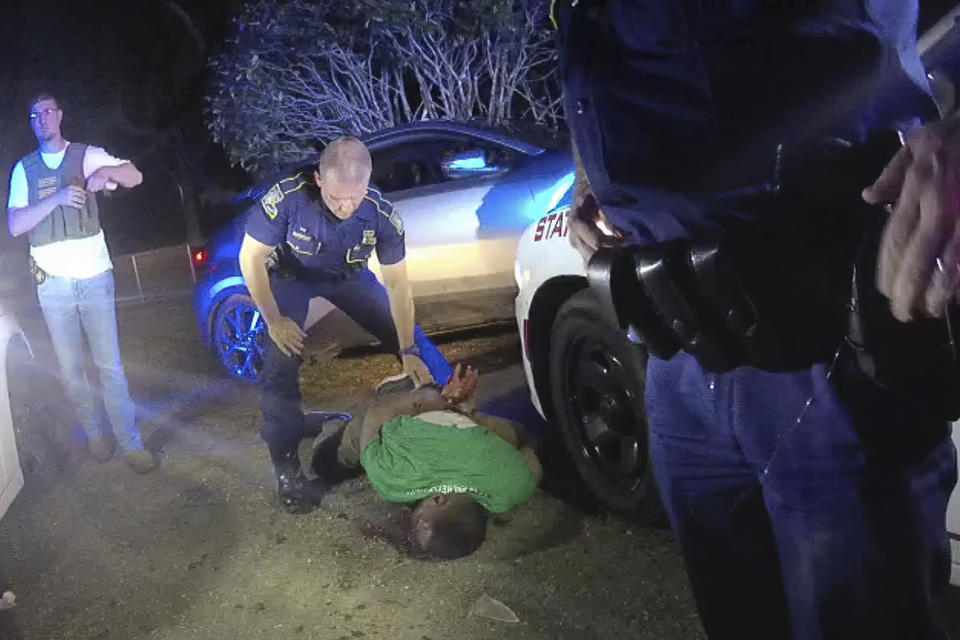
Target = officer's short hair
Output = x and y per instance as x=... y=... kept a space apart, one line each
x=43 y=95
x=348 y=156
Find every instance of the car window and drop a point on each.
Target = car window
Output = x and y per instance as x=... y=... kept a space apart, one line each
x=472 y=159
x=426 y=162
x=406 y=167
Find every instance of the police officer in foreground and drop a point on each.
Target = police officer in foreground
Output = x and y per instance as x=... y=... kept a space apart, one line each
x=802 y=370
x=331 y=222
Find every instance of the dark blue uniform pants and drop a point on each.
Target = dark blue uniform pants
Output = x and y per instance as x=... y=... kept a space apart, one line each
x=361 y=297
x=831 y=526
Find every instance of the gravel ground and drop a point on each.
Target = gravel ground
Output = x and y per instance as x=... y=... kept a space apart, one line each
x=198 y=549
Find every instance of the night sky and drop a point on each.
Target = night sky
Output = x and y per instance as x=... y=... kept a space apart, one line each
x=131 y=77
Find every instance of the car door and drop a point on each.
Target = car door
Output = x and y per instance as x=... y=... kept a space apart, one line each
x=11 y=476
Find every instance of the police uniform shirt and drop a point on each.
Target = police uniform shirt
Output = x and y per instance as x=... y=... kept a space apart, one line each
x=293 y=212
x=667 y=97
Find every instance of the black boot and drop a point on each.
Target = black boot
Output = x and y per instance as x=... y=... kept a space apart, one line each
x=290 y=482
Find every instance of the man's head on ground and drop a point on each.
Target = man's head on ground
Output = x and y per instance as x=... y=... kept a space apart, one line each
x=449 y=526
x=343 y=175
x=45 y=117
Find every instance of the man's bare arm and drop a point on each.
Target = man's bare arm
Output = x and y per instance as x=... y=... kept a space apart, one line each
x=286 y=333
x=253 y=266
x=22 y=219
x=397 y=283
x=126 y=175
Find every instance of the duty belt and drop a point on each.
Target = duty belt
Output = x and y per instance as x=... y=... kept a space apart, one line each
x=767 y=295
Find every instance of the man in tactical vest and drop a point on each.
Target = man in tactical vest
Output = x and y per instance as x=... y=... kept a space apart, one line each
x=53 y=201
x=798 y=408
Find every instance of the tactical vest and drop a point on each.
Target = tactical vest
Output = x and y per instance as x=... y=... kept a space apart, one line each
x=63 y=223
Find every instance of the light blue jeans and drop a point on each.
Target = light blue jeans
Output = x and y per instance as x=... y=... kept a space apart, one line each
x=71 y=309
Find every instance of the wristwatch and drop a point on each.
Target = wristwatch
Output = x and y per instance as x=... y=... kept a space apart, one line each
x=410 y=351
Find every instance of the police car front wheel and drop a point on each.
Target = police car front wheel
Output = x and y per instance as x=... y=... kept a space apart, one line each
x=597 y=381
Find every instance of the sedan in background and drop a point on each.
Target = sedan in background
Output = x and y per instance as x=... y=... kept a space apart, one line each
x=465 y=195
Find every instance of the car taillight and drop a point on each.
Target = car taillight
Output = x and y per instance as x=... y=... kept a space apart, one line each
x=199 y=257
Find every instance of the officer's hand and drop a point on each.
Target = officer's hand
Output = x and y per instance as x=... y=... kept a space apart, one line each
x=918 y=266
x=589 y=228
x=287 y=335
x=416 y=369
x=70 y=196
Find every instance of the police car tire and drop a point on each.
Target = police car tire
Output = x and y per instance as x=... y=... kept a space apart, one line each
x=225 y=307
x=579 y=322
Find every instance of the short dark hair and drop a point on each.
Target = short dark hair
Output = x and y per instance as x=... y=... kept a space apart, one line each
x=43 y=95
x=459 y=533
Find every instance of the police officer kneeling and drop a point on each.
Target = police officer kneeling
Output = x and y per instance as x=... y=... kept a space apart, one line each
x=331 y=222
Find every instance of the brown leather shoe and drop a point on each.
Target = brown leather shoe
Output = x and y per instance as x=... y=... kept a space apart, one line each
x=100 y=449
x=141 y=461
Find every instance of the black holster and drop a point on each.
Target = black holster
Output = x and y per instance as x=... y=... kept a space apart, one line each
x=39 y=275
x=787 y=286
x=732 y=302
x=741 y=302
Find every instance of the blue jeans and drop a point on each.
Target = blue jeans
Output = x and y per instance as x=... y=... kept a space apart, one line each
x=71 y=309
x=809 y=521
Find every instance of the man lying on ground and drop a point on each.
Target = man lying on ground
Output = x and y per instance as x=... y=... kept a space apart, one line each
x=433 y=447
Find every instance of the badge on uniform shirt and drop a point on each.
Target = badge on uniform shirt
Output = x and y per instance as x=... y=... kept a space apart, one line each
x=271 y=199
x=369 y=236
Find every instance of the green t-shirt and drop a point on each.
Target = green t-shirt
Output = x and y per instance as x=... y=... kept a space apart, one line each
x=414 y=459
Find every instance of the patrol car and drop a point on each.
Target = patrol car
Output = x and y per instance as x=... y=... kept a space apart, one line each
x=465 y=195
x=585 y=375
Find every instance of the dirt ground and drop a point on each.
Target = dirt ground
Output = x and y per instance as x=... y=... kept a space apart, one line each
x=199 y=549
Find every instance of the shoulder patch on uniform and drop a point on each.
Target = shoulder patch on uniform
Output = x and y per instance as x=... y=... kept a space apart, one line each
x=271 y=199
x=396 y=221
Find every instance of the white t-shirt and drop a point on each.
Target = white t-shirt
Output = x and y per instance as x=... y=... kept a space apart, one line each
x=80 y=258
x=448 y=419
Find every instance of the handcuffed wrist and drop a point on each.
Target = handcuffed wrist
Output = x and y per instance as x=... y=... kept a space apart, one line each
x=410 y=351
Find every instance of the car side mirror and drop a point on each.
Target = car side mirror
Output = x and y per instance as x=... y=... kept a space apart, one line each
x=469 y=163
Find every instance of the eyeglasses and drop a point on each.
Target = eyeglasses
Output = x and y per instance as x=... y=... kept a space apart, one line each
x=45 y=113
